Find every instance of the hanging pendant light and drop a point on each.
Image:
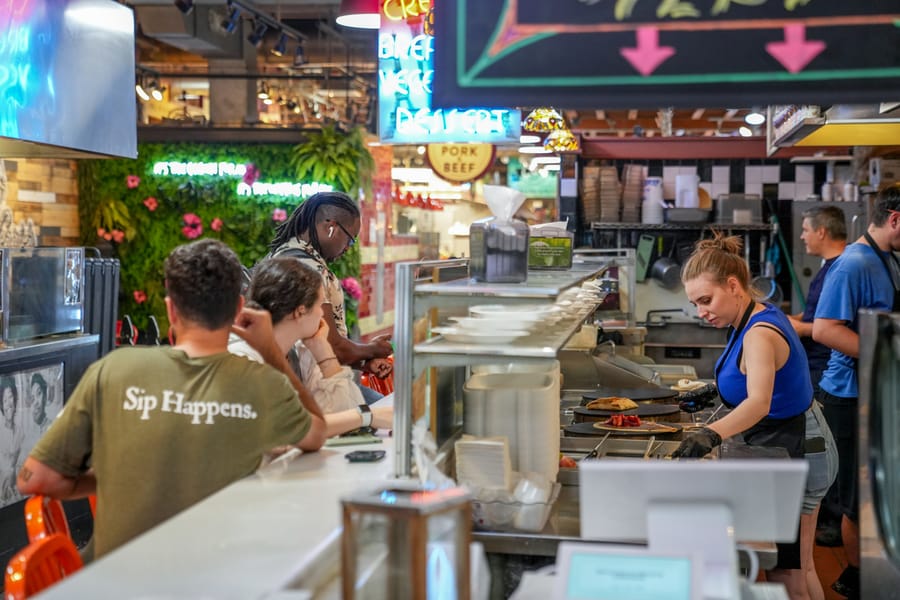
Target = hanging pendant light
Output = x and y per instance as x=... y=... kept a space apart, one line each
x=360 y=14
x=562 y=140
x=542 y=120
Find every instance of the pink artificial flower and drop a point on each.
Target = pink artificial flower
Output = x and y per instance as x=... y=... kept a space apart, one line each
x=352 y=287
x=251 y=174
x=107 y=236
x=139 y=296
x=151 y=203
x=101 y=232
x=279 y=215
x=118 y=236
x=132 y=181
x=216 y=224
x=193 y=226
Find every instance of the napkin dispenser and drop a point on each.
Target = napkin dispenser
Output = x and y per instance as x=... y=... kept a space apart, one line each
x=550 y=246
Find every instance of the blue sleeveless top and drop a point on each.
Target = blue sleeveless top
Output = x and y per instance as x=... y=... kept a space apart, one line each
x=792 y=393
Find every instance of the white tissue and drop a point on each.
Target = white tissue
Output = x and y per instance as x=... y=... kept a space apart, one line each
x=503 y=201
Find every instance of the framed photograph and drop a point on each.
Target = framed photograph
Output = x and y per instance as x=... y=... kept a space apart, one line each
x=29 y=401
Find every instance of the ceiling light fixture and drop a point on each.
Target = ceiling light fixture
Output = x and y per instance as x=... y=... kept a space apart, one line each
x=562 y=140
x=263 y=92
x=156 y=91
x=745 y=131
x=259 y=32
x=542 y=120
x=280 y=48
x=529 y=139
x=230 y=23
x=185 y=6
x=299 y=56
x=755 y=117
x=360 y=14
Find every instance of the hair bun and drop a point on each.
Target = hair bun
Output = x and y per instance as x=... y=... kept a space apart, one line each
x=731 y=244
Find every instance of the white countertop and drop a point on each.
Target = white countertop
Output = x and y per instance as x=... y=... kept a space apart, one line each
x=253 y=539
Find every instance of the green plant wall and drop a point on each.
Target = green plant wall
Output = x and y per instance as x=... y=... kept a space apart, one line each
x=138 y=217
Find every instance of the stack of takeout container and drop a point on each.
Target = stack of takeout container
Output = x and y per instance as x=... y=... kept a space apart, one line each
x=633 y=187
x=610 y=195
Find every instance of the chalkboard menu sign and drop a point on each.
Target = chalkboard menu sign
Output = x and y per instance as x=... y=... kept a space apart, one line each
x=651 y=53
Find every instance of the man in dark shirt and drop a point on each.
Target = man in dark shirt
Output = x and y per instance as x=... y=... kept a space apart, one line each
x=825 y=235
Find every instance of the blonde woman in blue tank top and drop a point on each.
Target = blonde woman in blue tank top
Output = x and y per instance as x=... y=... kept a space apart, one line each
x=762 y=374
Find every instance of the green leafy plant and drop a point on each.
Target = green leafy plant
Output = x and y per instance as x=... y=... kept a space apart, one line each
x=335 y=158
x=154 y=228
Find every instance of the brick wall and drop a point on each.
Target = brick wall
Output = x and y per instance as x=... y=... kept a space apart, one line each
x=46 y=191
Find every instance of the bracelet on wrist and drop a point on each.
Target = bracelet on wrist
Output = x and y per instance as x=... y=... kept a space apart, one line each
x=326 y=359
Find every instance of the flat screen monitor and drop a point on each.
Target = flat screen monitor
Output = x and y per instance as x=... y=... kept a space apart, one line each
x=698 y=507
x=764 y=496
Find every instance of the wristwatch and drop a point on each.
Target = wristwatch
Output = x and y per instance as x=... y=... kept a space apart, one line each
x=366 y=414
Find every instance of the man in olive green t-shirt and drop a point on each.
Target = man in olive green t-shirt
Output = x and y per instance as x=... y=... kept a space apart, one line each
x=154 y=430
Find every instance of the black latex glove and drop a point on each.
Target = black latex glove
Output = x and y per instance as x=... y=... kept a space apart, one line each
x=697 y=444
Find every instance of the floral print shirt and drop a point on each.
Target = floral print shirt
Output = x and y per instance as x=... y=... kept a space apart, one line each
x=334 y=294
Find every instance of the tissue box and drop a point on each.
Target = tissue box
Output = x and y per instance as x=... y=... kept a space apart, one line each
x=498 y=251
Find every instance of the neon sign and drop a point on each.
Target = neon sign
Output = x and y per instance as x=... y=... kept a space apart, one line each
x=405 y=75
x=285 y=189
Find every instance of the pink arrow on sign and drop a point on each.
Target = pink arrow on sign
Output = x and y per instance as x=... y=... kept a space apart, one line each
x=795 y=52
x=649 y=54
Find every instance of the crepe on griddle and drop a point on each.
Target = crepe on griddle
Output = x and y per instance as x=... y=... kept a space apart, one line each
x=612 y=403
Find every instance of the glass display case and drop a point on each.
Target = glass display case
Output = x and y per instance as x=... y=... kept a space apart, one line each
x=435 y=365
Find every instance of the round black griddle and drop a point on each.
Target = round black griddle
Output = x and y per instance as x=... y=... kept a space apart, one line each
x=588 y=430
x=644 y=393
x=643 y=410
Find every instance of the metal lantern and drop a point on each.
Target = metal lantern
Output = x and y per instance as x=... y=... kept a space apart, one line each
x=402 y=544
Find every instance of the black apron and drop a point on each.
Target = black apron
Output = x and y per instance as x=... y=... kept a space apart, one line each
x=896 y=303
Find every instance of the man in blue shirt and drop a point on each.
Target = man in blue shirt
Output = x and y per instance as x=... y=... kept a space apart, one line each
x=866 y=275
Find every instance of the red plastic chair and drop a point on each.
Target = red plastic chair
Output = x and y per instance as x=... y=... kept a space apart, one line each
x=39 y=565
x=45 y=516
x=382 y=385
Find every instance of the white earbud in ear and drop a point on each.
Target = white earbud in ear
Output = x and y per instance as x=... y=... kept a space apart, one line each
x=331 y=232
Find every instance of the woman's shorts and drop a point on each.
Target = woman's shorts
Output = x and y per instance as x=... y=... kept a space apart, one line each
x=822 y=456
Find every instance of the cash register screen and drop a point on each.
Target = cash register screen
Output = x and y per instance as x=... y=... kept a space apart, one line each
x=607 y=572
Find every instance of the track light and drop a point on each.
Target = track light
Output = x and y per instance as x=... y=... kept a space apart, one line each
x=230 y=23
x=263 y=92
x=141 y=92
x=299 y=55
x=258 y=34
x=281 y=46
x=157 y=93
x=185 y=6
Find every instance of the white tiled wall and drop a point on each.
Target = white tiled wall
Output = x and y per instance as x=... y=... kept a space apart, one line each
x=755 y=176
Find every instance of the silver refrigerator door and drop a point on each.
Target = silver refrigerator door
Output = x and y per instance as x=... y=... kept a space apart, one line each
x=879 y=456
x=806 y=266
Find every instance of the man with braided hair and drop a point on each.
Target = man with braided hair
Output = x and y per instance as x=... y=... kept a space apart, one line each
x=318 y=232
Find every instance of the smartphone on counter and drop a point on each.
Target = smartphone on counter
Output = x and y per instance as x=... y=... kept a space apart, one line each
x=365 y=455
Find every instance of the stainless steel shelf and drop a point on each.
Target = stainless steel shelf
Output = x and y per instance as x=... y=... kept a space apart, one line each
x=545 y=344
x=680 y=226
x=541 y=285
